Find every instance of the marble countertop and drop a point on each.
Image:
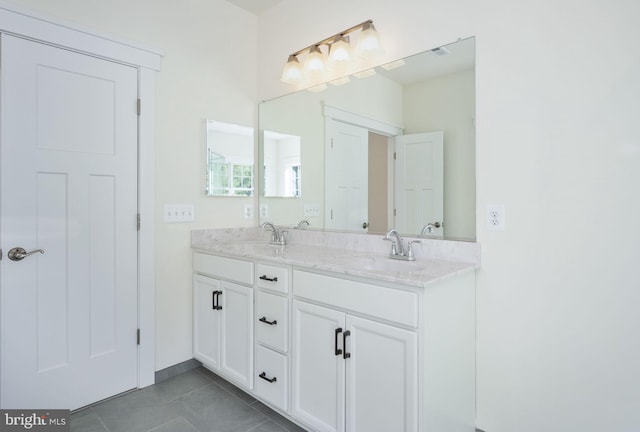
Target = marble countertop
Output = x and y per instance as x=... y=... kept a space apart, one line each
x=339 y=255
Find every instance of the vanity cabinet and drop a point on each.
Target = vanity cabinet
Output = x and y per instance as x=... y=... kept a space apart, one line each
x=339 y=352
x=272 y=335
x=223 y=316
x=351 y=373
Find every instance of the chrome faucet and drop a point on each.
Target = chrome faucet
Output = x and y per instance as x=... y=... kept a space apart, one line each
x=397 y=246
x=278 y=237
x=429 y=228
x=302 y=224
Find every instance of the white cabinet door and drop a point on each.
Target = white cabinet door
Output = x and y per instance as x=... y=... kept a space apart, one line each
x=237 y=332
x=223 y=327
x=381 y=377
x=206 y=321
x=318 y=367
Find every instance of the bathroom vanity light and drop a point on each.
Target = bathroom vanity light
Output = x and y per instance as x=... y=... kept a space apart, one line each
x=333 y=54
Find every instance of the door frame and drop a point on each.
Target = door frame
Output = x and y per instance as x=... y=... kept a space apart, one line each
x=390 y=130
x=25 y=23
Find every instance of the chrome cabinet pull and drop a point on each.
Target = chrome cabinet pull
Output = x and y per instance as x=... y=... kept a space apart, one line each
x=18 y=253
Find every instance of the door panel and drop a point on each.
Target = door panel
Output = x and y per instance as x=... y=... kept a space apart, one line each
x=318 y=373
x=237 y=332
x=206 y=320
x=419 y=178
x=382 y=378
x=69 y=186
x=346 y=176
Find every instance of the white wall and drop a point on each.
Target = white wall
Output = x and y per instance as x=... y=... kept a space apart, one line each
x=558 y=142
x=203 y=77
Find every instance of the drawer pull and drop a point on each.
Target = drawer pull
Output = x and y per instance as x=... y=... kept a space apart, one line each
x=263 y=375
x=344 y=344
x=264 y=320
x=266 y=278
x=335 y=341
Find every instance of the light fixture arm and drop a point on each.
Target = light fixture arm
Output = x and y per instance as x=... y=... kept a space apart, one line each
x=327 y=41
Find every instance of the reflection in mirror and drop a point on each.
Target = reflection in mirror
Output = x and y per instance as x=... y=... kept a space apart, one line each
x=282 y=171
x=229 y=156
x=393 y=150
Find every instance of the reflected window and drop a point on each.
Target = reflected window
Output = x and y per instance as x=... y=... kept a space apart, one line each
x=229 y=170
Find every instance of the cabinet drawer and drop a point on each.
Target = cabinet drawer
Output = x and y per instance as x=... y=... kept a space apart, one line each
x=377 y=301
x=272 y=320
x=271 y=377
x=224 y=268
x=273 y=278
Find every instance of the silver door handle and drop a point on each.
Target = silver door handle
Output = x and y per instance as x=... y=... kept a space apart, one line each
x=18 y=253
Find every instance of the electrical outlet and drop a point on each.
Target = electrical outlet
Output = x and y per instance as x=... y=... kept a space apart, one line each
x=264 y=211
x=311 y=210
x=176 y=213
x=248 y=211
x=496 y=217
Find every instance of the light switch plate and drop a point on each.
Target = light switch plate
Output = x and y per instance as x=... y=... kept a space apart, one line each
x=311 y=210
x=177 y=213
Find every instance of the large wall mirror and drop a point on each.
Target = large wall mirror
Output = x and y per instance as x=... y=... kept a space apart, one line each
x=393 y=148
x=229 y=159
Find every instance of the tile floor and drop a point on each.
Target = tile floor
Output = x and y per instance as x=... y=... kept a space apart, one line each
x=194 y=401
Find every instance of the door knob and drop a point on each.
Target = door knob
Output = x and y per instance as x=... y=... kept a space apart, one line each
x=365 y=225
x=18 y=253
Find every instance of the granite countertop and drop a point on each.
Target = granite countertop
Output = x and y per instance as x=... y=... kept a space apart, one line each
x=344 y=255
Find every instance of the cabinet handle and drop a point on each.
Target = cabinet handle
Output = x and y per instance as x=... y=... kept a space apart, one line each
x=263 y=375
x=335 y=341
x=216 y=300
x=273 y=279
x=264 y=320
x=344 y=344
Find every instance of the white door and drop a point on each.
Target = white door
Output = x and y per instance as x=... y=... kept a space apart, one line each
x=318 y=367
x=346 y=177
x=206 y=320
x=382 y=378
x=69 y=187
x=236 y=359
x=419 y=182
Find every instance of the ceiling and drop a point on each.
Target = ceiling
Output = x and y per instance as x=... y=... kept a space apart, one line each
x=255 y=6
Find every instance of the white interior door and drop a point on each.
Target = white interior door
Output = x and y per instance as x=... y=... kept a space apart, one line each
x=69 y=187
x=346 y=177
x=419 y=182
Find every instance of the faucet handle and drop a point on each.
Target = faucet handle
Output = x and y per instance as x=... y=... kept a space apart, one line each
x=410 y=255
x=394 y=248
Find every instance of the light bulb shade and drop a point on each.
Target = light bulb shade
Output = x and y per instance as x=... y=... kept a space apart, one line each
x=340 y=50
x=315 y=61
x=369 y=41
x=292 y=72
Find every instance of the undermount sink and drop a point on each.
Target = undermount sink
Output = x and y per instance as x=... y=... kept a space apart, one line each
x=383 y=264
x=257 y=247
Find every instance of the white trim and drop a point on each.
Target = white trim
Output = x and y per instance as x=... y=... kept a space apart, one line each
x=146 y=235
x=25 y=23
x=377 y=126
x=35 y=26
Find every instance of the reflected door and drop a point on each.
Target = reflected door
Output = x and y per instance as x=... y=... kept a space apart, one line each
x=419 y=182
x=69 y=187
x=346 y=174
